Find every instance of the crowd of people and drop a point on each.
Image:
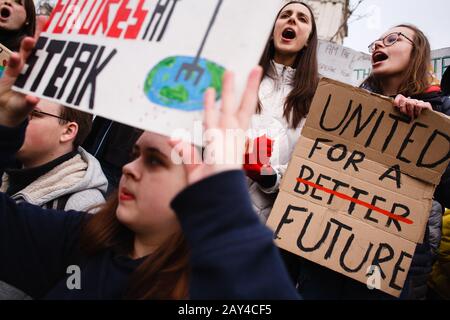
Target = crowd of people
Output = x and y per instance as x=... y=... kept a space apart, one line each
x=111 y=199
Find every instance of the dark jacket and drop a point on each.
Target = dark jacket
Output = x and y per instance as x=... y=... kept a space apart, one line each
x=445 y=82
x=316 y=282
x=232 y=254
x=440 y=103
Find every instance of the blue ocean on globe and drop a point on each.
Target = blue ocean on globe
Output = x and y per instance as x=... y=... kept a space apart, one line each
x=163 y=88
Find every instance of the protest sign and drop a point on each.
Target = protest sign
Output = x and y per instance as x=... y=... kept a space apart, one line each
x=146 y=63
x=343 y=64
x=358 y=190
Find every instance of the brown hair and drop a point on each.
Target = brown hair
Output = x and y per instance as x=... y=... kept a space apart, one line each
x=417 y=77
x=306 y=75
x=30 y=23
x=162 y=275
x=84 y=121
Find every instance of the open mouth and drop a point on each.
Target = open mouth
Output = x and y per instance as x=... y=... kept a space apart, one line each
x=5 y=12
x=289 y=34
x=379 y=57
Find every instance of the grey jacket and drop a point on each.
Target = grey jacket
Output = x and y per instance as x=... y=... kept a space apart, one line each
x=81 y=178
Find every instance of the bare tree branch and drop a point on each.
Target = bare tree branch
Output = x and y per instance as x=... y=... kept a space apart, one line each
x=349 y=13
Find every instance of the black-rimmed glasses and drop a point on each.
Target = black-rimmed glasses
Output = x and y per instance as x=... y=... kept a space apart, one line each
x=389 y=40
x=41 y=114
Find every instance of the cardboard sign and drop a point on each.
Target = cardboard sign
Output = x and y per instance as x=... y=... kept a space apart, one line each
x=357 y=194
x=5 y=53
x=146 y=63
x=343 y=64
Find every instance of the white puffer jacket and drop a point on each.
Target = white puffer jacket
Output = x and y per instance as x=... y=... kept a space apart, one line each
x=272 y=94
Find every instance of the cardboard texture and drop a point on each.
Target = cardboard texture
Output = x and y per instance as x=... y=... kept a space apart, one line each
x=360 y=238
x=389 y=132
x=362 y=169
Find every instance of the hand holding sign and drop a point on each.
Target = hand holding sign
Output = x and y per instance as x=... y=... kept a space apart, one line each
x=14 y=107
x=231 y=119
x=411 y=107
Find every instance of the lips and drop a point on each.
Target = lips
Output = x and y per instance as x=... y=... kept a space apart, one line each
x=378 y=57
x=289 y=34
x=5 y=12
x=125 y=195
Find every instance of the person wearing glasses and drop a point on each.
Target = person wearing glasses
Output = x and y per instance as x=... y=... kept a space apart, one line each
x=55 y=171
x=400 y=61
x=401 y=69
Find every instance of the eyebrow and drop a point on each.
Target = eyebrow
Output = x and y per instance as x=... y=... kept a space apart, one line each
x=155 y=150
x=149 y=150
x=289 y=11
x=303 y=15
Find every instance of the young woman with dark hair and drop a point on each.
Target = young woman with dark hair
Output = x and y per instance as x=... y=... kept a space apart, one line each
x=290 y=80
x=17 y=20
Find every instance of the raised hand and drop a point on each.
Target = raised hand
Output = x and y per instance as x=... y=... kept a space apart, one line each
x=14 y=107
x=225 y=130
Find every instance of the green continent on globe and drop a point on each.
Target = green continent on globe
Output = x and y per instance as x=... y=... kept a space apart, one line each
x=216 y=72
x=169 y=62
x=178 y=93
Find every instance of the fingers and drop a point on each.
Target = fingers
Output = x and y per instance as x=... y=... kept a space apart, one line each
x=400 y=103
x=187 y=154
x=41 y=25
x=250 y=98
x=28 y=43
x=228 y=103
x=13 y=68
x=16 y=60
x=411 y=107
x=211 y=114
x=417 y=108
x=26 y=47
x=31 y=101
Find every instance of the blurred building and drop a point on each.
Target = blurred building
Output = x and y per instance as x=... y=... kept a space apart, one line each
x=44 y=7
x=331 y=17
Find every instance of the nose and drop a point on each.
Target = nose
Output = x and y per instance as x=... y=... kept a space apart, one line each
x=291 y=20
x=131 y=170
x=378 y=43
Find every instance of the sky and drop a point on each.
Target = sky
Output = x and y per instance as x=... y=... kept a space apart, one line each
x=432 y=17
